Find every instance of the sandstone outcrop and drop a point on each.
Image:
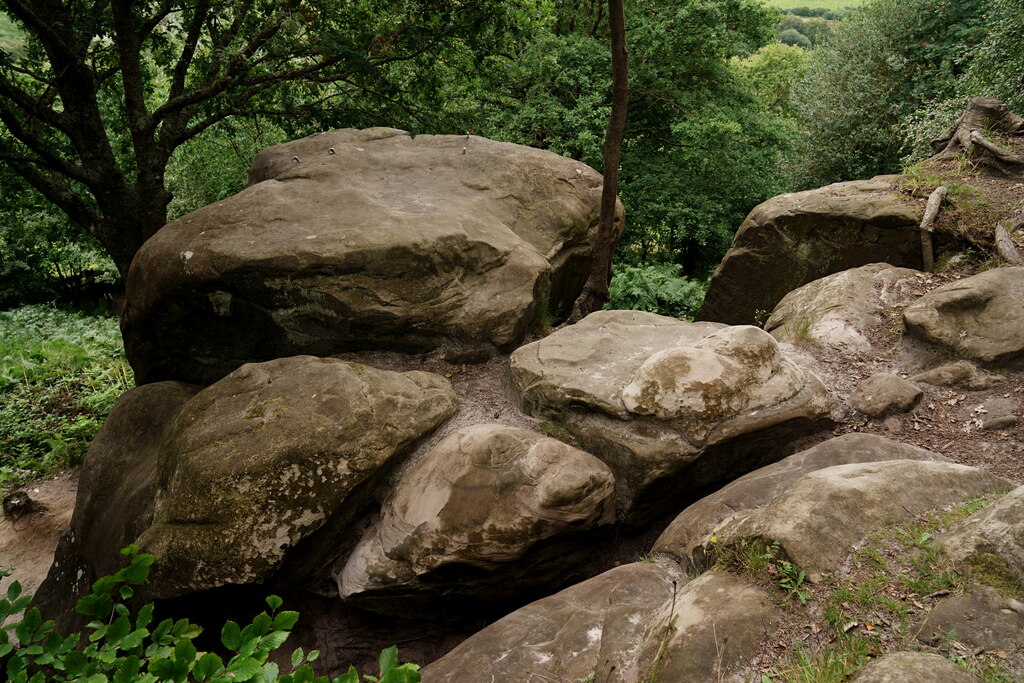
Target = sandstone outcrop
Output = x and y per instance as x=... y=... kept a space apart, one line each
x=270 y=454
x=978 y=318
x=796 y=238
x=683 y=538
x=479 y=500
x=837 y=310
x=364 y=239
x=669 y=406
x=884 y=392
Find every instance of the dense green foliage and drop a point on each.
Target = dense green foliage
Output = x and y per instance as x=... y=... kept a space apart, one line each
x=881 y=63
x=60 y=373
x=123 y=647
x=657 y=288
x=700 y=150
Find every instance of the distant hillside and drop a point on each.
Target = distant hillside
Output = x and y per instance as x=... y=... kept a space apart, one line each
x=824 y=4
x=10 y=37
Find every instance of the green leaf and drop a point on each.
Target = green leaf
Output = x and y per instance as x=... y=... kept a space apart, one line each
x=138 y=571
x=388 y=659
x=185 y=651
x=145 y=616
x=401 y=674
x=284 y=621
x=231 y=636
x=297 y=657
x=95 y=606
x=350 y=676
x=125 y=592
x=209 y=664
x=273 y=640
x=128 y=670
x=273 y=601
x=270 y=672
x=243 y=668
x=313 y=655
x=13 y=591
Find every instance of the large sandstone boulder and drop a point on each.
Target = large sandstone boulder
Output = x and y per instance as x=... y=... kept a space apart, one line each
x=479 y=500
x=636 y=622
x=901 y=667
x=364 y=239
x=793 y=239
x=115 y=495
x=668 y=405
x=272 y=453
x=683 y=538
x=978 y=318
x=822 y=515
x=837 y=310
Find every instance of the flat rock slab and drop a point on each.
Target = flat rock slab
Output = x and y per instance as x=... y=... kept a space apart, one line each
x=796 y=238
x=981 y=618
x=683 y=539
x=883 y=393
x=837 y=310
x=961 y=374
x=479 y=500
x=595 y=628
x=978 y=318
x=902 y=667
x=820 y=517
x=668 y=405
x=270 y=454
x=364 y=239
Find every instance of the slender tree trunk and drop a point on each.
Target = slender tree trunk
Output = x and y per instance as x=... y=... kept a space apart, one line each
x=595 y=291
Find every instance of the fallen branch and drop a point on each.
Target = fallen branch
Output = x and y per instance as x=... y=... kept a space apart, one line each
x=1006 y=247
x=931 y=210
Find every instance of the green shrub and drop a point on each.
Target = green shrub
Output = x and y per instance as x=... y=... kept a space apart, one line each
x=656 y=288
x=122 y=647
x=60 y=373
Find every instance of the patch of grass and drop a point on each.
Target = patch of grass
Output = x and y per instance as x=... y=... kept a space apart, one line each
x=60 y=373
x=872 y=605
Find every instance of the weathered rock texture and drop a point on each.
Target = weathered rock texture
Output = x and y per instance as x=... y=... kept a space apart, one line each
x=683 y=538
x=981 y=618
x=273 y=452
x=978 y=318
x=818 y=519
x=358 y=239
x=115 y=495
x=961 y=374
x=992 y=540
x=884 y=392
x=793 y=239
x=668 y=405
x=837 y=310
x=481 y=499
x=595 y=627
x=901 y=667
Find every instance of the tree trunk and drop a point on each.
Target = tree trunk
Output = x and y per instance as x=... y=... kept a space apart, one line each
x=963 y=138
x=595 y=291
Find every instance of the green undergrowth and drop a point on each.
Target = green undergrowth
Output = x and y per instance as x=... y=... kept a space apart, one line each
x=60 y=373
x=120 y=645
x=874 y=604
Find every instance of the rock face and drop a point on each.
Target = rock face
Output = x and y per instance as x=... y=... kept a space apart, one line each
x=977 y=318
x=819 y=518
x=364 y=239
x=884 y=392
x=793 y=239
x=273 y=452
x=682 y=538
x=480 y=499
x=961 y=374
x=595 y=627
x=664 y=403
x=115 y=495
x=837 y=310
x=982 y=618
x=992 y=540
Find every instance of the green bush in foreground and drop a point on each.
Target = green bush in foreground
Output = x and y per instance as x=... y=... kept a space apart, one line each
x=122 y=647
x=656 y=288
x=60 y=373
